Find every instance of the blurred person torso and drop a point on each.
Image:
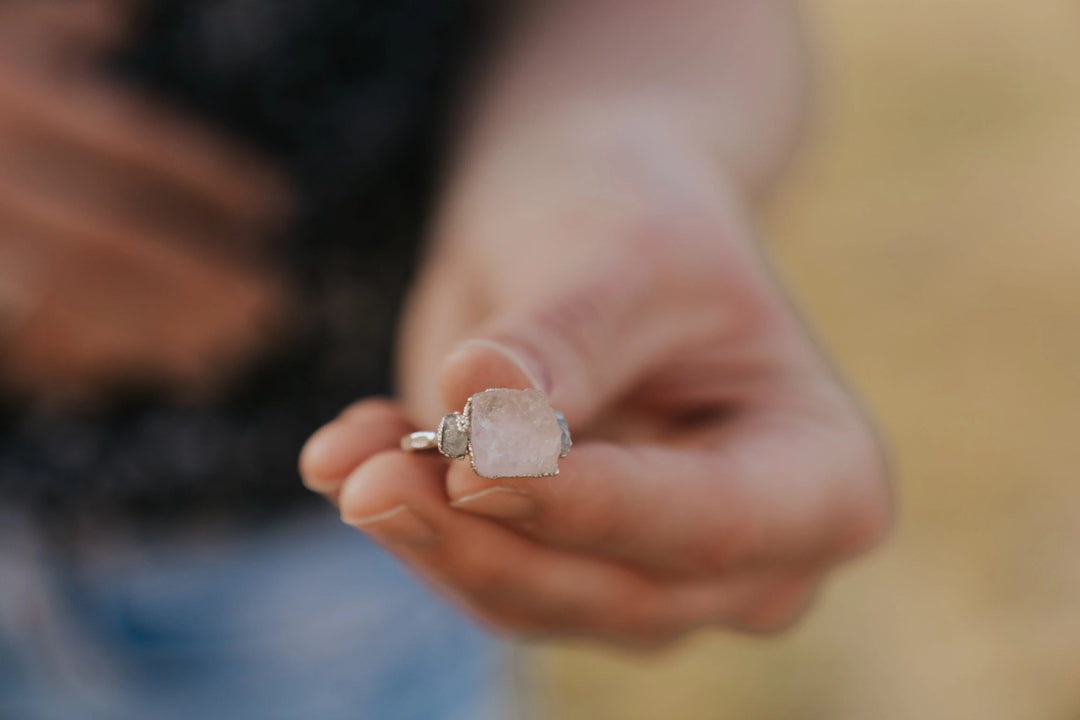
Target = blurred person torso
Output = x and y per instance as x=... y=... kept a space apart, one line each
x=349 y=100
x=158 y=546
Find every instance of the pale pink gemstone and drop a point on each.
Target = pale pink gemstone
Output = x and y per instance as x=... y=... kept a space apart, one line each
x=514 y=433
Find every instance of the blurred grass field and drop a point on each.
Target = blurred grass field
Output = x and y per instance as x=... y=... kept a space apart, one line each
x=931 y=229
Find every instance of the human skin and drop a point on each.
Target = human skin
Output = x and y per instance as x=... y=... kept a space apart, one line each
x=595 y=241
x=130 y=237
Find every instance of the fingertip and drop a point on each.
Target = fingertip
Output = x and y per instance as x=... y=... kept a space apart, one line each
x=480 y=363
x=372 y=408
x=338 y=448
x=317 y=461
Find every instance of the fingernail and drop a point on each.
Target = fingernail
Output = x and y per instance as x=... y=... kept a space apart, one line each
x=397 y=525
x=498 y=502
x=318 y=484
x=529 y=366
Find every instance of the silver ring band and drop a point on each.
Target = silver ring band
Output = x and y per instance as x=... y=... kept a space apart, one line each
x=421 y=440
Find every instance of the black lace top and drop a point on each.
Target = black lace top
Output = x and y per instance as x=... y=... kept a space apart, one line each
x=349 y=96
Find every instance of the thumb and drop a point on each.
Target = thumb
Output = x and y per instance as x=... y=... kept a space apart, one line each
x=582 y=345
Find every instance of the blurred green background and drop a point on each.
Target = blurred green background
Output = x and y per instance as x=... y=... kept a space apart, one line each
x=931 y=230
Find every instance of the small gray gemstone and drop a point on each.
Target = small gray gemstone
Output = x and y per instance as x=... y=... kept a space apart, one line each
x=566 y=441
x=453 y=440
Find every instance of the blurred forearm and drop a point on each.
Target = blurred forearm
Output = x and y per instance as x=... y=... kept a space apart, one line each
x=727 y=74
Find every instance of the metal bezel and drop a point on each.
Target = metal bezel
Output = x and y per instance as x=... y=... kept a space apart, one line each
x=467 y=413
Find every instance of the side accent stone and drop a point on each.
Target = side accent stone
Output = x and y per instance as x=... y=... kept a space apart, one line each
x=452 y=437
x=567 y=443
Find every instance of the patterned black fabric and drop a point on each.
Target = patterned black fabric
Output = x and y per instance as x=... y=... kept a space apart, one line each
x=350 y=97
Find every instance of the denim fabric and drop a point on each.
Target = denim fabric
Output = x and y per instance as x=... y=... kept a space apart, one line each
x=297 y=619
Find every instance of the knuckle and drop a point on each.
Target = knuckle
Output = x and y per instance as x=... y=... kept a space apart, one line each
x=778 y=607
x=870 y=526
x=869 y=510
x=369 y=409
x=848 y=463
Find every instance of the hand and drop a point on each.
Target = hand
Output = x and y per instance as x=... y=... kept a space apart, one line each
x=719 y=468
x=130 y=238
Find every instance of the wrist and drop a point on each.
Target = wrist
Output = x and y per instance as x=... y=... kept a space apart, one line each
x=731 y=75
x=627 y=154
x=596 y=130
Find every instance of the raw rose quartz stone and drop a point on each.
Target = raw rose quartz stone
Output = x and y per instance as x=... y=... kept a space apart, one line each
x=514 y=433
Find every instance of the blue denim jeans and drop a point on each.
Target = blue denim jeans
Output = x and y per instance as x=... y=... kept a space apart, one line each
x=300 y=618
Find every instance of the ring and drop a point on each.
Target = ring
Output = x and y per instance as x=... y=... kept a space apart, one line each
x=503 y=432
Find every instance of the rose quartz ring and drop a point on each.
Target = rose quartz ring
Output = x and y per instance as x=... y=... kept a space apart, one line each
x=503 y=432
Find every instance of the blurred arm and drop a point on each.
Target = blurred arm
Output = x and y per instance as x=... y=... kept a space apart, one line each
x=728 y=74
